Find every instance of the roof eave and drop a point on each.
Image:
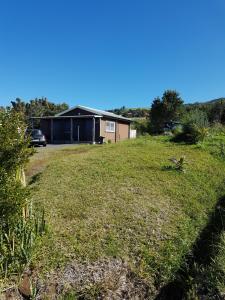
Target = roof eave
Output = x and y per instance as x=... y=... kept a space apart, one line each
x=116 y=117
x=67 y=117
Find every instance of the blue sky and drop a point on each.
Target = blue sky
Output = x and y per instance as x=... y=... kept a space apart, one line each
x=109 y=53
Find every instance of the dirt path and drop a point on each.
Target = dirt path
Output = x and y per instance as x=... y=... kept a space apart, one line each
x=41 y=158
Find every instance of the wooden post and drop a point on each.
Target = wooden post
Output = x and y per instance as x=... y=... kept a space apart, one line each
x=52 y=131
x=116 y=131
x=129 y=131
x=71 y=130
x=93 y=130
x=100 y=127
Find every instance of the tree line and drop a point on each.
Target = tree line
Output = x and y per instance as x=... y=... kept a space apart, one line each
x=163 y=110
x=38 y=107
x=170 y=109
x=131 y=112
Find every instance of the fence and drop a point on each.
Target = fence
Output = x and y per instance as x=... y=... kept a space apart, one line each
x=133 y=133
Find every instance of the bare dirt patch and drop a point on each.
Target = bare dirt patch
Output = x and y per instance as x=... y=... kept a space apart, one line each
x=105 y=279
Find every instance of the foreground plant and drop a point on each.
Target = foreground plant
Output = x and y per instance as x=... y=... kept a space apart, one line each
x=18 y=221
x=179 y=164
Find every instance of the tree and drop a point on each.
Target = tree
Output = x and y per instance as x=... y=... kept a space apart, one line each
x=216 y=112
x=157 y=117
x=37 y=108
x=19 y=106
x=165 y=110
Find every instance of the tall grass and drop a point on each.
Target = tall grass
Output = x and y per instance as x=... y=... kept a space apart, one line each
x=17 y=241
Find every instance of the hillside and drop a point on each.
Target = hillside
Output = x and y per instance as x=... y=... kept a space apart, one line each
x=131 y=112
x=209 y=102
x=143 y=112
x=120 y=220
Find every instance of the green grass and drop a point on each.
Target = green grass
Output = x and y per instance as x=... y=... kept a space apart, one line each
x=117 y=200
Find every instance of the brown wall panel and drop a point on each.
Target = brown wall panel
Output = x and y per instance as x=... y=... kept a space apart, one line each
x=122 y=131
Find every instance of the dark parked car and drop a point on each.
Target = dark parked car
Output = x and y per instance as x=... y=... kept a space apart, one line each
x=37 y=138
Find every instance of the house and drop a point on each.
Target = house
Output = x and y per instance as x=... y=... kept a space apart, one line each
x=82 y=124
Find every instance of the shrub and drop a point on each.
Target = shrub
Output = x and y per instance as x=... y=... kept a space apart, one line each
x=142 y=126
x=217 y=129
x=195 y=127
x=18 y=221
x=176 y=130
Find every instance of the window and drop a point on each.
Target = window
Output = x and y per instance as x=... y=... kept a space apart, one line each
x=110 y=126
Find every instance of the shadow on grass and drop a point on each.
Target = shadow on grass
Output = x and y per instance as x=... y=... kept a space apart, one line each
x=35 y=178
x=204 y=251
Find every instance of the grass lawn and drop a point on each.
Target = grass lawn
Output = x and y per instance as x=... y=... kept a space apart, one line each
x=118 y=201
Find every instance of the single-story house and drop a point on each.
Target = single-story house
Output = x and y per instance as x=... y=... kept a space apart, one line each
x=82 y=124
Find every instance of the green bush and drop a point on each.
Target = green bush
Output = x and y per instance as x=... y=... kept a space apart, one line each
x=19 y=223
x=142 y=126
x=217 y=129
x=195 y=127
x=177 y=130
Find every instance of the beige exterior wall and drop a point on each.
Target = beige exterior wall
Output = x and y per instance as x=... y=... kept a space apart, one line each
x=122 y=131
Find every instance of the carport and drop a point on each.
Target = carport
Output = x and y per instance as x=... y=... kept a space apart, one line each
x=70 y=129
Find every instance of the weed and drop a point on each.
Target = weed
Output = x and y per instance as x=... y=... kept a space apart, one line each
x=69 y=296
x=179 y=164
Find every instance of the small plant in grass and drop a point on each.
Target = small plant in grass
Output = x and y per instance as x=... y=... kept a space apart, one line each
x=69 y=296
x=33 y=290
x=178 y=164
x=20 y=224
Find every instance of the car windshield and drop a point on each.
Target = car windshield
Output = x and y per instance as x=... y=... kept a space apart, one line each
x=36 y=132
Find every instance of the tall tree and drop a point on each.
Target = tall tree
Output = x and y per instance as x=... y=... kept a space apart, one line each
x=157 y=117
x=19 y=106
x=165 y=110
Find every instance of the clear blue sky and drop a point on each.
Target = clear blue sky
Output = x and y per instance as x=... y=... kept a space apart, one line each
x=109 y=53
